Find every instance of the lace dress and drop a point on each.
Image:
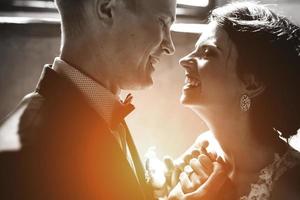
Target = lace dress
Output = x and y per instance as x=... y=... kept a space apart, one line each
x=270 y=174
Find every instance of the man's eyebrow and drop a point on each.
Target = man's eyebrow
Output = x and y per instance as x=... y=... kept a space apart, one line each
x=172 y=19
x=169 y=18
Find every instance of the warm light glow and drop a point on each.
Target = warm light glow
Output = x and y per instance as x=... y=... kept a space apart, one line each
x=197 y=3
x=155 y=168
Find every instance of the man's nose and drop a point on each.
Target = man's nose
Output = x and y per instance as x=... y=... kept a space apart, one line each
x=168 y=45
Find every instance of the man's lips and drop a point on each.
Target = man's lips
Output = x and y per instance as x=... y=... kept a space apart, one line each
x=154 y=59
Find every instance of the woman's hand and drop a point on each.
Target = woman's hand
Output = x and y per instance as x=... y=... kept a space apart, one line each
x=202 y=181
x=174 y=168
x=196 y=158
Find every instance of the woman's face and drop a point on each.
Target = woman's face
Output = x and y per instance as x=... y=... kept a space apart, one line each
x=211 y=78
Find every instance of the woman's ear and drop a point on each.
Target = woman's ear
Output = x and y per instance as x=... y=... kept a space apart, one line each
x=252 y=86
x=105 y=10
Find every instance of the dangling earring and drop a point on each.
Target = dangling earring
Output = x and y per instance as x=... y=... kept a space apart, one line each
x=245 y=103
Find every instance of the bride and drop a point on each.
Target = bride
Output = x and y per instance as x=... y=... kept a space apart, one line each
x=243 y=80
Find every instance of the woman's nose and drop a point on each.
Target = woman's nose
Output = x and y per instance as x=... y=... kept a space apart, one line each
x=187 y=62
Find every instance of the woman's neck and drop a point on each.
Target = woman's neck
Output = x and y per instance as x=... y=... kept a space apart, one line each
x=245 y=152
x=244 y=148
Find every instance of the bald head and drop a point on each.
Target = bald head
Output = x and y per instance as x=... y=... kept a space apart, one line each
x=73 y=12
x=71 y=7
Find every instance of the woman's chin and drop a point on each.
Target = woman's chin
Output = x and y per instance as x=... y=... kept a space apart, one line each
x=188 y=100
x=191 y=96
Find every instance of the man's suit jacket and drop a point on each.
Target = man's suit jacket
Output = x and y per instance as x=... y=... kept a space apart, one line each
x=67 y=151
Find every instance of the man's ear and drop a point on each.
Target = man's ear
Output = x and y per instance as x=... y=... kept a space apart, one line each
x=252 y=86
x=105 y=9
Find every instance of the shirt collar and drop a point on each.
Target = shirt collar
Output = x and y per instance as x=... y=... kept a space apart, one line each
x=103 y=101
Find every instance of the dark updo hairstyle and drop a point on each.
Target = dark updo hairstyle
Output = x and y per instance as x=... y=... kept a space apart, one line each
x=268 y=47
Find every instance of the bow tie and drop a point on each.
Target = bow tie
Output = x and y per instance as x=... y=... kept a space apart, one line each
x=128 y=99
x=122 y=110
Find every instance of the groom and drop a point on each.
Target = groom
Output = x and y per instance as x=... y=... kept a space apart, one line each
x=68 y=139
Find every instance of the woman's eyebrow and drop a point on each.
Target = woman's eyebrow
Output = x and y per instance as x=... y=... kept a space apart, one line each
x=202 y=44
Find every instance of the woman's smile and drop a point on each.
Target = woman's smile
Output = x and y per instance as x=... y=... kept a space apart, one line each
x=191 y=81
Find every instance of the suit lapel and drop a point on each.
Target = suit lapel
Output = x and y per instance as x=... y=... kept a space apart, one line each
x=60 y=91
x=138 y=166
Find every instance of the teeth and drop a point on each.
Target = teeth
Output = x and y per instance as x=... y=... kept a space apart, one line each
x=192 y=82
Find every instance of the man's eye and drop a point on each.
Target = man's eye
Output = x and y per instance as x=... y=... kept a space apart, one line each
x=162 y=22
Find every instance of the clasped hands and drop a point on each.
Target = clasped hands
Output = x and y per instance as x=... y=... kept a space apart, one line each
x=197 y=175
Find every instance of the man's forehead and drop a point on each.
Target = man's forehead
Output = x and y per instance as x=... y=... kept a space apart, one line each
x=164 y=7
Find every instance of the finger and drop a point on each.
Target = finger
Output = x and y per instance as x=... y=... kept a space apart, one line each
x=176 y=193
x=187 y=158
x=147 y=164
x=169 y=163
x=218 y=176
x=215 y=182
x=185 y=183
x=220 y=160
x=180 y=165
x=195 y=153
x=206 y=163
x=203 y=151
x=188 y=170
x=202 y=143
x=198 y=168
x=148 y=173
x=213 y=156
x=128 y=98
x=195 y=180
x=175 y=177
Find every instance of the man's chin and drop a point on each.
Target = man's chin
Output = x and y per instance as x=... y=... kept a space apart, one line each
x=140 y=85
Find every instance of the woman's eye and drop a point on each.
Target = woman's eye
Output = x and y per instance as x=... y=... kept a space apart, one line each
x=208 y=53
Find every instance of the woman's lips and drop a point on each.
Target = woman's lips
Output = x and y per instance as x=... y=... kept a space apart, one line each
x=191 y=82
